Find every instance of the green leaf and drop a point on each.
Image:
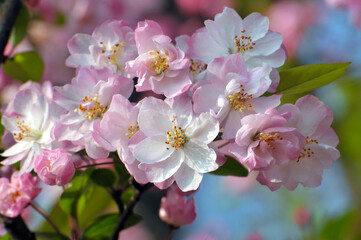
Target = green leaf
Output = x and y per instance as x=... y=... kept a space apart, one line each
x=1 y=128
x=69 y=199
x=103 y=177
x=6 y=237
x=306 y=78
x=21 y=24
x=343 y=228
x=132 y=220
x=25 y=66
x=128 y=195
x=231 y=168
x=102 y=226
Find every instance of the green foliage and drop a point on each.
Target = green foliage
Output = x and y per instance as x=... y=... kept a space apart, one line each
x=69 y=199
x=25 y=66
x=306 y=78
x=102 y=226
x=6 y=237
x=128 y=195
x=231 y=168
x=103 y=177
x=21 y=24
x=1 y=128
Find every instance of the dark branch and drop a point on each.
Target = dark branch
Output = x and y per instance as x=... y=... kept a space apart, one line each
x=17 y=228
x=9 y=10
x=140 y=189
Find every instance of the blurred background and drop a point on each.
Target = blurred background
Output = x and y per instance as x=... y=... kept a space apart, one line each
x=314 y=31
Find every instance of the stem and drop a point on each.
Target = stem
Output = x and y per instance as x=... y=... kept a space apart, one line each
x=9 y=10
x=170 y=232
x=129 y=208
x=73 y=229
x=97 y=164
x=46 y=216
x=17 y=228
x=223 y=145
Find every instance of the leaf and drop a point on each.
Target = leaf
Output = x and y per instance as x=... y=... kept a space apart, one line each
x=342 y=228
x=69 y=199
x=103 y=177
x=231 y=168
x=1 y=128
x=6 y=237
x=102 y=226
x=25 y=66
x=306 y=78
x=21 y=24
x=127 y=196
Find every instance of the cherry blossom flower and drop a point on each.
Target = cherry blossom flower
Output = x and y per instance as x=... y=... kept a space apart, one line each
x=87 y=98
x=118 y=126
x=176 y=210
x=313 y=119
x=264 y=140
x=30 y=124
x=232 y=92
x=55 y=167
x=160 y=66
x=111 y=44
x=175 y=142
x=16 y=194
x=230 y=34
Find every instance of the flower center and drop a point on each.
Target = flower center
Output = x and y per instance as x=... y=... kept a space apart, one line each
x=15 y=195
x=238 y=100
x=176 y=138
x=160 y=63
x=132 y=130
x=268 y=138
x=25 y=131
x=113 y=53
x=306 y=151
x=243 y=43
x=197 y=67
x=90 y=108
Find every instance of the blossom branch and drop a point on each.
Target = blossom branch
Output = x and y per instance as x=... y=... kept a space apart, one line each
x=17 y=228
x=9 y=10
x=46 y=216
x=140 y=189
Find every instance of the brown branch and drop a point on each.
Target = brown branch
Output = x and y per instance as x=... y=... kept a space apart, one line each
x=9 y=10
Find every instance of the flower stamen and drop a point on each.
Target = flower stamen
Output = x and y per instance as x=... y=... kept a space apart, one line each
x=244 y=43
x=160 y=64
x=238 y=100
x=176 y=138
x=91 y=108
x=132 y=130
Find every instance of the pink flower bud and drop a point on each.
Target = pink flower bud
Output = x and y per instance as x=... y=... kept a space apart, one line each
x=55 y=167
x=301 y=216
x=175 y=210
x=31 y=3
x=16 y=195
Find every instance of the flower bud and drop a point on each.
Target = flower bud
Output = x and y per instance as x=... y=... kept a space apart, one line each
x=175 y=210
x=55 y=167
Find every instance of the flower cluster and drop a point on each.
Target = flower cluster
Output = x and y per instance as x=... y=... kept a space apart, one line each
x=218 y=86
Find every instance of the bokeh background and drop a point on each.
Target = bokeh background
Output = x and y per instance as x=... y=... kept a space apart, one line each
x=314 y=31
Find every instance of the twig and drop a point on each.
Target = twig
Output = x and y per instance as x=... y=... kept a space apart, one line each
x=97 y=164
x=170 y=232
x=17 y=228
x=46 y=216
x=129 y=209
x=9 y=10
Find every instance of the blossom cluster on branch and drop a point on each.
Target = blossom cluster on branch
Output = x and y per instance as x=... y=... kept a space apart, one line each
x=219 y=87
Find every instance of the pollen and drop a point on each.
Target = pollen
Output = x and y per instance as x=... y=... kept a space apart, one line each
x=90 y=108
x=307 y=152
x=238 y=100
x=113 y=53
x=176 y=138
x=24 y=131
x=243 y=43
x=132 y=130
x=269 y=138
x=16 y=195
x=197 y=67
x=160 y=63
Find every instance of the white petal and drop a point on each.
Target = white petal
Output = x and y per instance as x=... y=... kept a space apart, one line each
x=17 y=148
x=200 y=157
x=187 y=179
x=204 y=128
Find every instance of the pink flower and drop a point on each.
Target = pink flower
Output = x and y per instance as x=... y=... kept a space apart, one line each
x=207 y=8
x=232 y=92
x=176 y=210
x=264 y=140
x=87 y=98
x=301 y=215
x=111 y=44
x=55 y=167
x=230 y=34
x=174 y=145
x=31 y=121
x=16 y=195
x=312 y=119
x=32 y=3
x=160 y=66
